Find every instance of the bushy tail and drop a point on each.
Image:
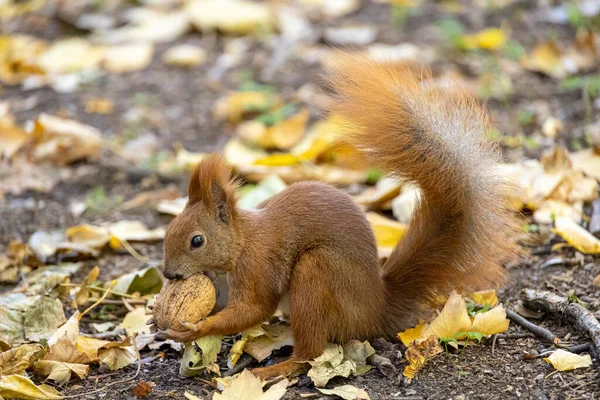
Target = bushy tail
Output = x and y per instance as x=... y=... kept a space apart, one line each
x=462 y=230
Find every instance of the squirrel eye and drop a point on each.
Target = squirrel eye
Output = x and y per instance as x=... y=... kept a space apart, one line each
x=197 y=241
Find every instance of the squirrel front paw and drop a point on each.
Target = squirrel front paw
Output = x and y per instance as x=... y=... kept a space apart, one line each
x=194 y=331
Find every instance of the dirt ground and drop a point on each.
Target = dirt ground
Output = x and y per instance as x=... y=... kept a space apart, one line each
x=180 y=102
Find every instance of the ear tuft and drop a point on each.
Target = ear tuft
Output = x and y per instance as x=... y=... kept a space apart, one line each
x=211 y=184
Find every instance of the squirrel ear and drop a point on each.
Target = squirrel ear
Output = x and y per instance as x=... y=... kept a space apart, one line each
x=211 y=184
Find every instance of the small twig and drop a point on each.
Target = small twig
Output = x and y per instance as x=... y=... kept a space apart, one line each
x=507 y=336
x=530 y=326
x=122 y=302
x=134 y=252
x=494 y=344
x=92 y=287
x=241 y=364
x=90 y=308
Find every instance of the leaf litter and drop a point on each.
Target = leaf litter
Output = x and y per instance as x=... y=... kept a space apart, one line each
x=277 y=141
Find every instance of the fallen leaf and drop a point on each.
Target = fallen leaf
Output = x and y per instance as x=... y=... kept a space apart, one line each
x=128 y=57
x=66 y=56
x=596 y=281
x=133 y=231
x=329 y=365
x=147 y=25
x=346 y=392
x=563 y=360
x=328 y=8
x=172 y=207
x=418 y=354
x=385 y=190
x=266 y=188
x=275 y=337
x=200 y=356
x=117 y=357
x=98 y=105
x=490 y=322
x=235 y=17
x=246 y=386
x=358 y=352
x=548 y=210
x=412 y=334
x=143 y=388
x=387 y=232
x=488 y=39
x=452 y=320
x=61 y=372
x=45 y=244
x=135 y=321
x=83 y=293
x=63 y=141
x=588 y=161
x=545 y=58
x=90 y=346
x=21 y=387
x=12 y=137
x=184 y=55
x=237 y=106
x=404 y=204
x=42 y=319
x=487 y=297
x=146 y=281
x=577 y=236
x=94 y=237
x=16 y=361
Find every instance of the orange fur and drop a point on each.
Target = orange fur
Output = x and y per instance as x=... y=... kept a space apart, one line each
x=312 y=242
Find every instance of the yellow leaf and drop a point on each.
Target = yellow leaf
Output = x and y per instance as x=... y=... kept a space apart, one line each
x=61 y=372
x=12 y=137
x=21 y=387
x=236 y=352
x=83 y=293
x=490 y=322
x=546 y=58
x=235 y=17
x=238 y=105
x=577 y=236
x=485 y=297
x=90 y=346
x=278 y=159
x=452 y=320
x=184 y=55
x=387 y=232
x=16 y=361
x=412 y=334
x=117 y=357
x=102 y=106
x=488 y=39
x=385 y=190
x=564 y=360
x=548 y=210
x=95 y=237
x=128 y=57
x=588 y=161
x=275 y=337
x=418 y=354
x=346 y=392
x=246 y=386
x=135 y=322
x=63 y=141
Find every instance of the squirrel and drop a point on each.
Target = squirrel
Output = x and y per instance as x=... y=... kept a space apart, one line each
x=313 y=243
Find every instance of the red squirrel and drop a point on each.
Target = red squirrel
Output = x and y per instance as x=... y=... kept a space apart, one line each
x=313 y=242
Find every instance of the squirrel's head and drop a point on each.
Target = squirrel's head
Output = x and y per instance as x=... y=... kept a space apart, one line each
x=202 y=237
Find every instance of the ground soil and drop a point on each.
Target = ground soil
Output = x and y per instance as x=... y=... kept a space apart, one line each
x=181 y=102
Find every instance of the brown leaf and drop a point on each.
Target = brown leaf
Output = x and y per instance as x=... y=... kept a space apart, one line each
x=143 y=388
